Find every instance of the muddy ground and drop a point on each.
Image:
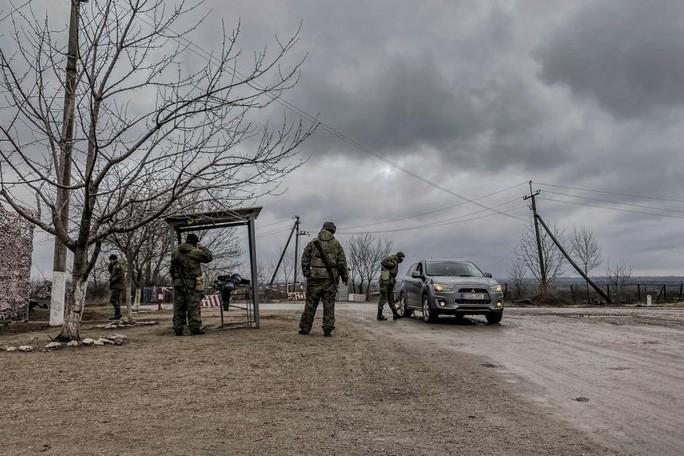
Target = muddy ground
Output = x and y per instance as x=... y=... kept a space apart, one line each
x=269 y=392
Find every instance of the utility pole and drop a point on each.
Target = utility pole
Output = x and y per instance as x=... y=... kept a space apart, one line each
x=542 y=269
x=296 y=255
x=605 y=296
x=282 y=255
x=299 y=233
x=64 y=168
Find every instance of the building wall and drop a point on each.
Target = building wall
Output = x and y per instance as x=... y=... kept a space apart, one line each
x=16 y=248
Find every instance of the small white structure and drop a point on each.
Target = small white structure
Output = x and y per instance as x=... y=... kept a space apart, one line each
x=357 y=297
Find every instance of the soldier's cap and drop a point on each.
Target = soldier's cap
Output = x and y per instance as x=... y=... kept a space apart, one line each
x=113 y=257
x=401 y=255
x=330 y=226
x=192 y=239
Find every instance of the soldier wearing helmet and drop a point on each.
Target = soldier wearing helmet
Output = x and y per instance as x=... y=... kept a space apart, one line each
x=388 y=278
x=323 y=264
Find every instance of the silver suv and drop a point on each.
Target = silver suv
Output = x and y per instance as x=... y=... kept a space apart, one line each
x=450 y=287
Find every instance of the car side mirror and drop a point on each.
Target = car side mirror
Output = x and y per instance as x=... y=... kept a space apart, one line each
x=416 y=275
x=488 y=275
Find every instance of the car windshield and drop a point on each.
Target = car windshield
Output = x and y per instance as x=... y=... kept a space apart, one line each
x=452 y=268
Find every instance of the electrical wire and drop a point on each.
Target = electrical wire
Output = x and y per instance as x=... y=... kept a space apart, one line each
x=616 y=202
x=274 y=223
x=610 y=208
x=14 y=11
x=422 y=214
x=611 y=193
x=463 y=219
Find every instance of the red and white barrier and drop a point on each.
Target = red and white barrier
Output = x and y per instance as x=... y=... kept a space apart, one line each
x=213 y=300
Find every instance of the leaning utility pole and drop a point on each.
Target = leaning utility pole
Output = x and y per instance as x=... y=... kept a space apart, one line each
x=542 y=269
x=571 y=261
x=282 y=255
x=64 y=172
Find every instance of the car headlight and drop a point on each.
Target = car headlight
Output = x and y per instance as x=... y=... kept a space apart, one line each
x=441 y=287
x=496 y=288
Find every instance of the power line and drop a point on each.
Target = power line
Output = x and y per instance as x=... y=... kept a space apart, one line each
x=422 y=214
x=15 y=10
x=616 y=202
x=274 y=223
x=465 y=218
x=611 y=208
x=197 y=50
x=612 y=193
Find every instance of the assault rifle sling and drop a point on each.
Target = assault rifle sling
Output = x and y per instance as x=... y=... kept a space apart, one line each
x=325 y=259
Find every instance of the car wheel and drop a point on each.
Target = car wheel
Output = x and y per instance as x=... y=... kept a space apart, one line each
x=494 y=317
x=429 y=315
x=404 y=311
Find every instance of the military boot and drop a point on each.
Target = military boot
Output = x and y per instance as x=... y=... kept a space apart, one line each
x=327 y=333
x=395 y=314
x=381 y=317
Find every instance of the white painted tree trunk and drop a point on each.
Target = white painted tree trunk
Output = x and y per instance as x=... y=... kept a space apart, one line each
x=74 y=313
x=138 y=296
x=57 y=298
x=129 y=306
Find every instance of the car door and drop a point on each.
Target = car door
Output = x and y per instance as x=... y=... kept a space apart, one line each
x=416 y=286
x=409 y=285
x=419 y=284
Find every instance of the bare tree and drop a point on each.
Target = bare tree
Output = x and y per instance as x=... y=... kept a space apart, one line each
x=155 y=126
x=226 y=250
x=517 y=275
x=365 y=252
x=526 y=254
x=585 y=249
x=618 y=276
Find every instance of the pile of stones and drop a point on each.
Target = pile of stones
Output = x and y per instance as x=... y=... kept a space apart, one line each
x=114 y=339
x=125 y=324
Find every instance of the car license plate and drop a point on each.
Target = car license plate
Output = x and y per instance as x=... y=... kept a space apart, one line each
x=474 y=296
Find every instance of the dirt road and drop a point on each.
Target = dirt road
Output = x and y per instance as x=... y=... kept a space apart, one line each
x=395 y=389
x=616 y=374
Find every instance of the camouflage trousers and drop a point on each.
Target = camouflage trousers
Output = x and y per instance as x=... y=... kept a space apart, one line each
x=186 y=307
x=115 y=301
x=317 y=290
x=387 y=296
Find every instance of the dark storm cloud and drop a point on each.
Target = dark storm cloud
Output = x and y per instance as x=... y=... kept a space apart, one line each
x=476 y=96
x=626 y=54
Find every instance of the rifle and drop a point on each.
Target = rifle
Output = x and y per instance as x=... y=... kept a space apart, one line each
x=325 y=259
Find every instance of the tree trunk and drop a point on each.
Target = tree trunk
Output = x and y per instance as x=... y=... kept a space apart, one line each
x=75 y=299
x=129 y=288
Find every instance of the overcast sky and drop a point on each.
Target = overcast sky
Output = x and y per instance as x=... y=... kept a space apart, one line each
x=477 y=97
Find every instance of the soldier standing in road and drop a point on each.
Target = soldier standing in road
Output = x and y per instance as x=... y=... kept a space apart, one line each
x=388 y=278
x=188 y=284
x=323 y=264
x=117 y=285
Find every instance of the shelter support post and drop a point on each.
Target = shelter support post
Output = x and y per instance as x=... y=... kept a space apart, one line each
x=253 y=268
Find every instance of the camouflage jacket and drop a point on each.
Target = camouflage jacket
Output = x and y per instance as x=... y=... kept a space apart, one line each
x=117 y=275
x=313 y=266
x=186 y=264
x=390 y=268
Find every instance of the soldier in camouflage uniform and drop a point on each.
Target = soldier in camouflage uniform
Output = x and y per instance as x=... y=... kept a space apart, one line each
x=322 y=280
x=186 y=272
x=117 y=285
x=388 y=278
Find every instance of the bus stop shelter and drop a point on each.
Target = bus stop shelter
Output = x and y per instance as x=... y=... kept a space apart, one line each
x=226 y=219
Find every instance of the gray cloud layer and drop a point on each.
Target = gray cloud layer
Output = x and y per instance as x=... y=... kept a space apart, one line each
x=478 y=96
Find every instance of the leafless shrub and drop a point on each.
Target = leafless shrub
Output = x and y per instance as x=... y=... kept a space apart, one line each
x=364 y=254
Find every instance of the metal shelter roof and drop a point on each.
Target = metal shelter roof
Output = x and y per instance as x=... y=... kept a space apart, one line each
x=210 y=220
